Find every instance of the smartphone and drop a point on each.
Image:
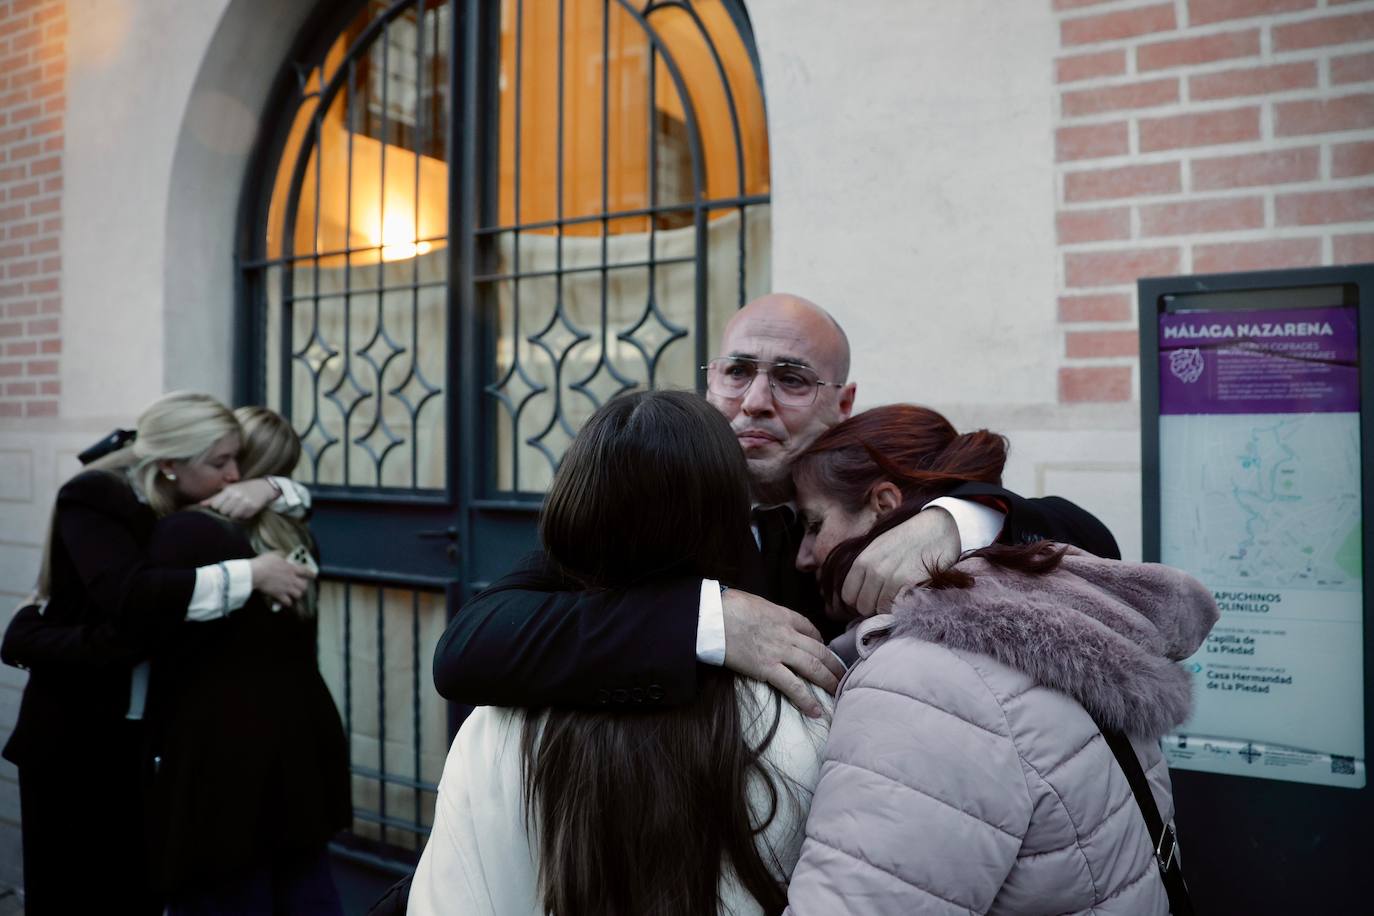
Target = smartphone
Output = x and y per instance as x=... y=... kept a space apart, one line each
x=301 y=557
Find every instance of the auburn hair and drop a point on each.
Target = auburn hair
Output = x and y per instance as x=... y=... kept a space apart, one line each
x=921 y=452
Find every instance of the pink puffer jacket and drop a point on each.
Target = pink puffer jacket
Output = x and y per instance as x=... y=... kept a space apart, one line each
x=964 y=772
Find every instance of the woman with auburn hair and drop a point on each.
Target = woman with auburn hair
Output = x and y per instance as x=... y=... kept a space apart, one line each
x=676 y=812
x=252 y=764
x=969 y=766
x=101 y=606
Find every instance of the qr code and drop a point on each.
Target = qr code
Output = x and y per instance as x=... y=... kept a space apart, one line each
x=1342 y=766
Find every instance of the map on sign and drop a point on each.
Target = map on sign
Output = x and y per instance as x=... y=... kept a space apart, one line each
x=1264 y=501
x=1259 y=480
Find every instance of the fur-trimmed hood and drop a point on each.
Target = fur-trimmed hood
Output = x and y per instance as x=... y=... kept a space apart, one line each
x=1107 y=633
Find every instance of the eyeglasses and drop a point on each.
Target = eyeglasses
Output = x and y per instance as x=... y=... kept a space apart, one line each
x=792 y=385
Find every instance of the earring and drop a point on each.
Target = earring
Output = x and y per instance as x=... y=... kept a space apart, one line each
x=169 y=475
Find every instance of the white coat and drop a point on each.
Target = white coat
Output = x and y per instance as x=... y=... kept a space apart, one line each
x=480 y=860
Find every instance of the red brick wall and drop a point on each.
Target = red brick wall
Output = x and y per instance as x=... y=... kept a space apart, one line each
x=33 y=65
x=1202 y=136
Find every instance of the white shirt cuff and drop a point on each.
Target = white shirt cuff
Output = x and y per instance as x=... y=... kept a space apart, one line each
x=979 y=525
x=294 y=500
x=209 y=600
x=711 y=625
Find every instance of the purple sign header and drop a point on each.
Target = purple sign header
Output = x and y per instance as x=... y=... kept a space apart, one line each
x=1262 y=361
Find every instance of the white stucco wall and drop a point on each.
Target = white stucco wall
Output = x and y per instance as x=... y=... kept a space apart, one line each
x=220 y=123
x=912 y=146
x=132 y=63
x=164 y=100
x=913 y=187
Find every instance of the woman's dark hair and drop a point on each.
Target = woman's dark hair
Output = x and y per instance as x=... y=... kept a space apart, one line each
x=639 y=813
x=654 y=485
x=921 y=452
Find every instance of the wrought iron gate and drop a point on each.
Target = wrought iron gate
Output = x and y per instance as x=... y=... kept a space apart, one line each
x=471 y=223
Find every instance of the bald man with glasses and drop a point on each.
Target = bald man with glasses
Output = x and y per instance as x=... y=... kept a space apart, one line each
x=782 y=379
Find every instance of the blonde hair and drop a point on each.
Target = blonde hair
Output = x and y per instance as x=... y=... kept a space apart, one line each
x=180 y=426
x=271 y=448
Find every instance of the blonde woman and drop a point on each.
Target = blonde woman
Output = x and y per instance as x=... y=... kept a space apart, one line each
x=79 y=735
x=252 y=778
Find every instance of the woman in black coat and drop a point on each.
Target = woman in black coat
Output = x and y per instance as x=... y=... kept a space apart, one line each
x=252 y=763
x=79 y=739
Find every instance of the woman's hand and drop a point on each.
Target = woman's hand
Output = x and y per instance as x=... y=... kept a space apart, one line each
x=244 y=499
x=900 y=557
x=279 y=579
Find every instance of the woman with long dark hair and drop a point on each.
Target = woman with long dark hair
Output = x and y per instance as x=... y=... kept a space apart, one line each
x=967 y=768
x=678 y=812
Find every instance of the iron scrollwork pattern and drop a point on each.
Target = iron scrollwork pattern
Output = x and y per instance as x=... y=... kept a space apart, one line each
x=606 y=271
x=355 y=272
x=570 y=197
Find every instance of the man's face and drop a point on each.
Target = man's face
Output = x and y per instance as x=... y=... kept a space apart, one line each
x=773 y=435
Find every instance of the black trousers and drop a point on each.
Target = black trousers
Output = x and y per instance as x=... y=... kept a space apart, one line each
x=84 y=828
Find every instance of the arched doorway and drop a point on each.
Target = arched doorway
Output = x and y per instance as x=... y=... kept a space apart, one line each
x=472 y=223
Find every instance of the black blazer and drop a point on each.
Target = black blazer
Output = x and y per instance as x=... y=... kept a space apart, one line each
x=534 y=639
x=108 y=606
x=253 y=762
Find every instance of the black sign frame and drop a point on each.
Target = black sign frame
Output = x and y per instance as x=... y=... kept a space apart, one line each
x=1254 y=845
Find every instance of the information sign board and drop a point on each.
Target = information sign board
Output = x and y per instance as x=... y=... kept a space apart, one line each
x=1259 y=481
x=1257 y=467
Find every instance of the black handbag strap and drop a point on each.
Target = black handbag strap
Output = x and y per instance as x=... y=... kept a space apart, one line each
x=1161 y=834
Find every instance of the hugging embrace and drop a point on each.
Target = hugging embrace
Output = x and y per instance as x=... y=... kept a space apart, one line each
x=178 y=751
x=657 y=733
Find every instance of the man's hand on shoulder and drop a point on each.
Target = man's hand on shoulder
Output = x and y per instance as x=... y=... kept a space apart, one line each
x=898 y=558
x=770 y=643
